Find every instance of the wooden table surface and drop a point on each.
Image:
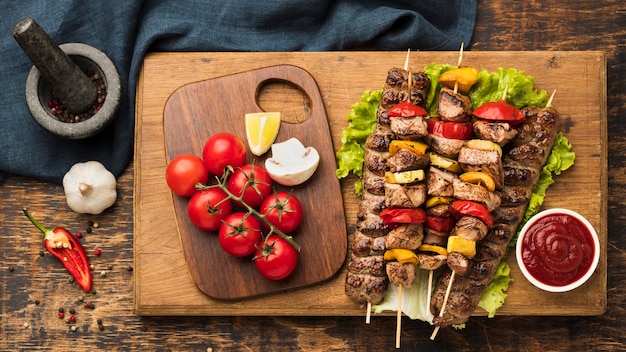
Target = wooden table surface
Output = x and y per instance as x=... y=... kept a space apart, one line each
x=33 y=287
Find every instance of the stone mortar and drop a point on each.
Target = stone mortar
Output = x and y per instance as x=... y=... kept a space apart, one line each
x=87 y=58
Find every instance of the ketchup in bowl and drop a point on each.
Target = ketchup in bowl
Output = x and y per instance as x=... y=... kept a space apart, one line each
x=558 y=250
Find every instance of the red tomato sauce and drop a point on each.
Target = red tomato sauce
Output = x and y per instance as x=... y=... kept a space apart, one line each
x=558 y=249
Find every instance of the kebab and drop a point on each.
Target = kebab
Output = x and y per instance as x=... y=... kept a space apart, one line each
x=366 y=280
x=527 y=138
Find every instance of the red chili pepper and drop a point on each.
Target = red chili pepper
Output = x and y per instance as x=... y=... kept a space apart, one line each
x=392 y=216
x=440 y=223
x=450 y=129
x=459 y=208
x=406 y=109
x=499 y=111
x=68 y=250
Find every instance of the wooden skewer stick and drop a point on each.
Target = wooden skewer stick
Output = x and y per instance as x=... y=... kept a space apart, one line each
x=506 y=89
x=460 y=55
x=399 y=316
x=445 y=303
x=406 y=61
x=368 y=314
x=549 y=103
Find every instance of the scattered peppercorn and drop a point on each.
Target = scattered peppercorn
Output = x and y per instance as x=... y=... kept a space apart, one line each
x=95 y=225
x=90 y=223
x=101 y=327
x=61 y=310
x=41 y=253
x=88 y=230
x=73 y=328
x=110 y=267
x=99 y=321
x=130 y=268
x=97 y=251
x=37 y=302
x=72 y=319
x=72 y=311
x=92 y=306
x=61 y=315
x=11 y=268
x=79 y=234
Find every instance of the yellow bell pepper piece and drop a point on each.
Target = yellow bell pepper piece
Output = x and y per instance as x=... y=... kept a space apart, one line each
x=404 y=177
x=445 y=163
x=417 y=147
x=479 y=178
x=464 y=77
x=433 y=248
x=437 y=200
x=484 y=145
x=401 y=255
x=461 y=245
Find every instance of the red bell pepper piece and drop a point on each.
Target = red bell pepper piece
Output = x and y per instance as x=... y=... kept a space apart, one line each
x=406 y=109
x=440 y=223
x=458 y=208
x=68 y=250
x=394 y=216
x=450 y=129
x=499 y=111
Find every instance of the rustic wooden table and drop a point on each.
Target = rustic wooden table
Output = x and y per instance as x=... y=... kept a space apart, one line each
x=33 y=287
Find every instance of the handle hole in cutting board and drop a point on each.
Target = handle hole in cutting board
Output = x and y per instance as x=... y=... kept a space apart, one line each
x=286 y=97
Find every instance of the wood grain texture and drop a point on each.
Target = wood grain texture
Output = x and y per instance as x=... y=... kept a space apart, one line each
x=501 y=25
x=337 y=75
x=196 y=111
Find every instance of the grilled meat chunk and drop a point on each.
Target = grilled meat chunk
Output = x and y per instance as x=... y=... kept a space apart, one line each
x=454 y=106
x=470 y=228
x=444 y=146
x=380 y=139
x=407 y=236
x=365 y=288
x=404 y=160
x=409 y=127
x=428 y=261
x=373 y=183
x=469 y=191
x=401 y=274
x=440 y=182
x=371 y=225
x=487 y=161
x=435 y=237
x=500 y=133
x=405 y=196
x=370 y=265
x=364 y=245
x=376 y=162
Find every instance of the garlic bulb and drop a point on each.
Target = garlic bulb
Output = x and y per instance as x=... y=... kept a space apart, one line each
x=89 y=188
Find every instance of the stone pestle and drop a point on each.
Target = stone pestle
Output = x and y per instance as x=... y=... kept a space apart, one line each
x=70 y=83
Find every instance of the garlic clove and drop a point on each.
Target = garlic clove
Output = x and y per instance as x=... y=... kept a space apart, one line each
x=292 y=163
x=89 y=188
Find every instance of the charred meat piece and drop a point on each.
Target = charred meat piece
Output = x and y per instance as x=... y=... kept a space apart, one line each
x=500 y=133
x=371 y=203
x=405 y=196
x=440 y=182
x=514 y=196
x=401 y=274
x=469 y=228
x=444 y=146
x=517 y=175
x=404 y=160
x=428 y=261
x=409 y=127
x=363 y=245
x=408 y=236
x=365 y=288
x=370 y=265
x=487 y=161
x=469 y=191
x=435 y=237
x=371 y=225
x=373 y=183
x=439 y=210
x=468 y=267
x=380 y=139
x=376 y=162
x=454 y=106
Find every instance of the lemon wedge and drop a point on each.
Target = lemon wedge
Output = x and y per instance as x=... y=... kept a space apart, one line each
x=261 y=130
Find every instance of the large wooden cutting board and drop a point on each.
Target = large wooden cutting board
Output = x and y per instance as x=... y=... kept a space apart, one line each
x=196 y=111
x=163 y=284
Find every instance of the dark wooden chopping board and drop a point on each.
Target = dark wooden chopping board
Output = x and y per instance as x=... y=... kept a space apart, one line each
x=198 y=110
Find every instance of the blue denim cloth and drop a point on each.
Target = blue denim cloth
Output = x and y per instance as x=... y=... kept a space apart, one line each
x=127 y=30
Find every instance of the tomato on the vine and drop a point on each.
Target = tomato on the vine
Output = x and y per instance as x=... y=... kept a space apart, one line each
x=250 y=182
x=223 y=149
x=239 y=234
x=207 y=208
x=283 y=210
x=276 y=258
x=183 y=172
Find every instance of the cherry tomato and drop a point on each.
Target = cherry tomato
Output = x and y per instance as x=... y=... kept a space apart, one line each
x=406 y=109
x=458 y=208
x=223 y=149
x=183 y=172
x=276 y=258
x=239 y=234
x=250 y=182
x=207 y=208
x=499 y=111
x=450 y=129
x=283 y=210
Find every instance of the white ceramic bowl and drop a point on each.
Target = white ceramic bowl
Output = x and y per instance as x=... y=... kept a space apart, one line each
x=574 y=284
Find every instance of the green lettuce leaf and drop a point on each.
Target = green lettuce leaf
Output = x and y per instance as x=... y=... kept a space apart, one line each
x=494 y=295
x=415 y=302
x=362 y=118
x=519 y=87
x=433 y=71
